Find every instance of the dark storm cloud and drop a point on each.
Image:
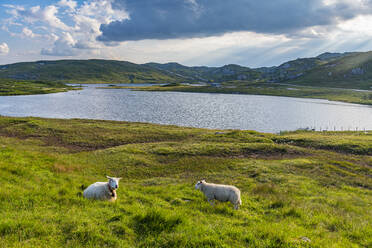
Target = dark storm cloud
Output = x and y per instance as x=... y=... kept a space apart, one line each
x=167 y=19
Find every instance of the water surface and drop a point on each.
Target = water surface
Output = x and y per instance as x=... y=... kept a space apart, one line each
x=217 y=111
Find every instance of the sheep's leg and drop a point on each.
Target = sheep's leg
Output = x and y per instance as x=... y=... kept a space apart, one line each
x=236 y=206
x=211 y=201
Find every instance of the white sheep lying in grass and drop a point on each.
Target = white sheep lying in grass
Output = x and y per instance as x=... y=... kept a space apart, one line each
x=220 y=192
x=103 y=190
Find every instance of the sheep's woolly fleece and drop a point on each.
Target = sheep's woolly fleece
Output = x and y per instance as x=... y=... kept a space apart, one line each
x=105 y=191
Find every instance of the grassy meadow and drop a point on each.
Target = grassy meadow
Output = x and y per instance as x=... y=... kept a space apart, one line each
x=299 y=189
x=9 y=87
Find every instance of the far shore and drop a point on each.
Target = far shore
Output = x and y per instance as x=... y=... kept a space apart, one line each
x=272 y=89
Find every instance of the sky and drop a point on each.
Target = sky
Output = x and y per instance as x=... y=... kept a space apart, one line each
x=252 y=33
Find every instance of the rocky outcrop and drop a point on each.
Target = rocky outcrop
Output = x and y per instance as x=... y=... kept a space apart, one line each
x=357 y=71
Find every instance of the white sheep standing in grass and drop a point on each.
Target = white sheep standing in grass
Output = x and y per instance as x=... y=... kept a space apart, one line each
x=105 y=191
x=220 y=192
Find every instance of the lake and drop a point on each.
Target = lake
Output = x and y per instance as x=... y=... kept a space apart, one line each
x=217 y=111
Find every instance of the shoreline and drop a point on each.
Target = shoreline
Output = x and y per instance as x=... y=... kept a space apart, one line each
x=351 y=96
x=24 y=88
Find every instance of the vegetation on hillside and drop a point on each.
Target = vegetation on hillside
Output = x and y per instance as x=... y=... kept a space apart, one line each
x=351 y=71
x=209 y=74
x=85 y=71
x=10 y=87
x=299 y=189
x=341 y=70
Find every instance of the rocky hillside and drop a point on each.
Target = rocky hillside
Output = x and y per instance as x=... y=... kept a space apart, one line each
x=354 y=70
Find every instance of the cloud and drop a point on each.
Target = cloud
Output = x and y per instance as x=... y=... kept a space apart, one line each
x=50 y=22
x=37 y=14
x=169 y=19
x=4 y=49
x=192 y=32
x=88 y=19
x=68 y=3
x=28 y=32
x=63 y=46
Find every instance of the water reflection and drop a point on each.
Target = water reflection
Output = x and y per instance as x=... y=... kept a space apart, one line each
x=218 y=111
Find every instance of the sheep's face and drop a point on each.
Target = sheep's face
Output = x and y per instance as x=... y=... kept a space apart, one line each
x=198 y=184
x=113 y=182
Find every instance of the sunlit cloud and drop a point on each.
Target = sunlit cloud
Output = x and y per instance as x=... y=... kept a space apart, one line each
x=4 y=49
x=69 y=40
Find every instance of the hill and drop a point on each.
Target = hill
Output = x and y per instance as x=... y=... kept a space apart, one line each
x=86 y=71
x=354 y=70
x=209 y=74
x=287 y=72
x=299 y=189
x=194 y=73
x=341 y=70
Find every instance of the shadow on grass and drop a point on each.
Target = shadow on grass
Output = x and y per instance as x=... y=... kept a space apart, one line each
x=155 y=222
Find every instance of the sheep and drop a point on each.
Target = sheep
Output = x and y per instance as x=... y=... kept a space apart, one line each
x=220 y=192
x=103 y=190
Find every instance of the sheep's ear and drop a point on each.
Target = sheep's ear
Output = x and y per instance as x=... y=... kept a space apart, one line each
x=119 y=178
x=108 y=177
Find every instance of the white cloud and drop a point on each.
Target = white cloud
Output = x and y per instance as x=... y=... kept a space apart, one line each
x=63 y=46
x=81 y=33
x=4 y=49
x=28 y=32
x=49 y=15
x=68 y=3
x=36 y=14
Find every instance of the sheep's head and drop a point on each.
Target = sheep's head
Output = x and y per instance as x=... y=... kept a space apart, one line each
x=199 y=183
x=113 y=182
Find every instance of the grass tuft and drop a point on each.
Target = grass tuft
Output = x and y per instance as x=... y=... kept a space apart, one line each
x=154 y=222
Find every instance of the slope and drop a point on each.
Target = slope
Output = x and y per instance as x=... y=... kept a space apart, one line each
x=302 y=189
x=86 y=71
x=351 y=71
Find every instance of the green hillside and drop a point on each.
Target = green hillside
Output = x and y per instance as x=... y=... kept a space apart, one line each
x=194 y=73
x=85 y=71
x=341 y=70
x=299 y=189
x=209 y=74
x=351 y=71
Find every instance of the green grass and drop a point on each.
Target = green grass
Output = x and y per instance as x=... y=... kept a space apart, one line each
x=10 y=87
x=339 y=73
x=294 y=185
x=332 y=94
x=349 y=70
x=86 y=71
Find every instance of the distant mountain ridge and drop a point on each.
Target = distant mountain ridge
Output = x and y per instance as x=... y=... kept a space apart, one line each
x=328 y=56
x=349 y=70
